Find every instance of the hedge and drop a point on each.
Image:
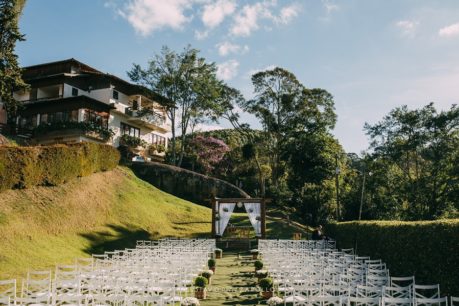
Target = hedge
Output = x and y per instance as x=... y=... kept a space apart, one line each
x=22 y=167
x=429 y=250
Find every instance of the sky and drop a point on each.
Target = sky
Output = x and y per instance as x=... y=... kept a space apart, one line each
x=372 y=56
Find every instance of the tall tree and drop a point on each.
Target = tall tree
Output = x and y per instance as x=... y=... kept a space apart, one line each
x=189 y=81
x=284 y=105
x=421 y=147
x=10 y=73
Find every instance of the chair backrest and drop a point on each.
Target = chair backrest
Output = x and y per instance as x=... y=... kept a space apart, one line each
x=369 y=292
x=7 y=291
x=389 y=301
x=454 y=300
x=363 y=301
x=427 y=291
x=432 y=302
x=401 y=281
x=398 y=292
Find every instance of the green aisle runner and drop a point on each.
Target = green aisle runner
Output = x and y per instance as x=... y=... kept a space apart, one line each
x=233 y=283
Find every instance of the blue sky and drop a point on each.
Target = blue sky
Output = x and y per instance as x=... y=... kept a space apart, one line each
x=371 y=55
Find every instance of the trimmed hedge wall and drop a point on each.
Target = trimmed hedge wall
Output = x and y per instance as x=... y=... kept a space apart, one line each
x=429 y=250
x=22 y=167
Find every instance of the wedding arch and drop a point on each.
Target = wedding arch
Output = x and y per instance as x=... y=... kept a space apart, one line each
x=222 y=209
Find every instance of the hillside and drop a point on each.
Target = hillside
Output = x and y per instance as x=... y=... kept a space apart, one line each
x=42 y=226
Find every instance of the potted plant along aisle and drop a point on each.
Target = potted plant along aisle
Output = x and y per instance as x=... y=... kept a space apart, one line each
x=258 y=265
x=208 y=274
x=266 y=285
x=211 y=263
x=254 y=254
x=200 y=284
x=218 y=253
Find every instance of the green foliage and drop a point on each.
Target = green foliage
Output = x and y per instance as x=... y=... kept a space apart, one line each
x=10 y=73
x=258 y=265
x=211 y=263
x=414 y=173
x=206 y=274
x=87 y=127
x=266 y=283
x=201 y=282
x=22 y=167
x=186 y=79
x=132 y=142
x=427 y=249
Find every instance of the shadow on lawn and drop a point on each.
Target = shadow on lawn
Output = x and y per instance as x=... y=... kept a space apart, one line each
x=118 y=238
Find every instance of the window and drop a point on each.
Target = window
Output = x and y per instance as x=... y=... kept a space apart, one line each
x=156 y=139
x=115 y=95
x=135 y=105
x=74 y=92
x=127 y=129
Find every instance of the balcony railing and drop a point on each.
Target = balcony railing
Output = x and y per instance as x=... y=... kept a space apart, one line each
x=42 y=99
x=147 y=115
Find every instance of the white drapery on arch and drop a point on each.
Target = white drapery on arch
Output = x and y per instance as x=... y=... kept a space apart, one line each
x=254 y=212
x=224 y=212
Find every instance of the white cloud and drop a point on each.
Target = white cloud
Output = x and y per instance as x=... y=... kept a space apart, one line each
x=247 y=20
x=214 y=13
x=408 y=27
x=449 y=31
x=330 y=7
x=200 y=35
x=227 y=48
x=288 y=13
x=227 y=70
x=147 y=16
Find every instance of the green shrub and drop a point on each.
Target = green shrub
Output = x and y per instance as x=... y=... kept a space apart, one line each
x=211 y=263
x=266 y=283
x=426 y=249
x=22 y=167
x=200 y=282
x=258 y=265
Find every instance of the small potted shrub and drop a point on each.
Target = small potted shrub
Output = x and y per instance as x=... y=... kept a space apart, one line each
x=218 y=253
x=190 y=301
x=254 y=254
x=275 y=300
x=260 y=274
x=208 y=274
x=211 y=263
x=266 y=285
x=200 y=284
x=258 y=265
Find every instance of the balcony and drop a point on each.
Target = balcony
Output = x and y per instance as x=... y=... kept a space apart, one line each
x=147 y=117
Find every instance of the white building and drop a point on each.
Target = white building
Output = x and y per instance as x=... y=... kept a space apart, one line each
x=70 y=102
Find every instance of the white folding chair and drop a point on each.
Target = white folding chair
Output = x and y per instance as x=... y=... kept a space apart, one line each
x=7 y=292
x=389 y=301
x=432 y=302
x=36 y=289
x=363 y=301
x=426 y=291
x=397 y=292
x=401 y=281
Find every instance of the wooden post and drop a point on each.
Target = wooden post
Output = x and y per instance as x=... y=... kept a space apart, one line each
x=213 y=216
x=263 y=218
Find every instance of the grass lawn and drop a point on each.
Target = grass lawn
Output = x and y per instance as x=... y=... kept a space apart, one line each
x=44 y=226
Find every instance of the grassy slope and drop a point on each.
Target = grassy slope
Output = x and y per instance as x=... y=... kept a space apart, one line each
x=43 y=226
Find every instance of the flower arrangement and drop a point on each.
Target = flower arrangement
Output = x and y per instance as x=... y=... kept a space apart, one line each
x=225 y=209
x=190 y=301
x=218 y=253
x=258 y=265
x=250 y=210
x=207 y=274
x=266 y=285
x=275 y=300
